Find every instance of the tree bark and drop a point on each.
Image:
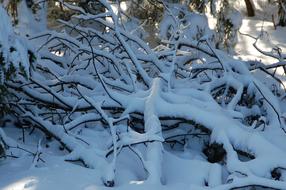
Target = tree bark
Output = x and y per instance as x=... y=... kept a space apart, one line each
x=249 y=8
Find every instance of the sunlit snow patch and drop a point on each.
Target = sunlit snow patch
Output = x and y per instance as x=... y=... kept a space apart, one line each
x=29 y=183
x=58 y=53
x=136 y=182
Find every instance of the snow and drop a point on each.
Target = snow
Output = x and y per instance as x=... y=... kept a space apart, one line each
x=253 y=27
x=60 y=175
x=92 y=146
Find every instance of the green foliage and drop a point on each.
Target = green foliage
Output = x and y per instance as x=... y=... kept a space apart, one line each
x=4 y=75
x=149 y=10
x=228 y=23
x=2 y=150
x=32 y=57
x=4 y=108
x=2 y=63
x=198 y=5
x=215 y=152
x=8 y=71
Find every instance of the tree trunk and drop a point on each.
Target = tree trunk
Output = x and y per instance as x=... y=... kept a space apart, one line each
x=249 y=8
x=282 y=13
